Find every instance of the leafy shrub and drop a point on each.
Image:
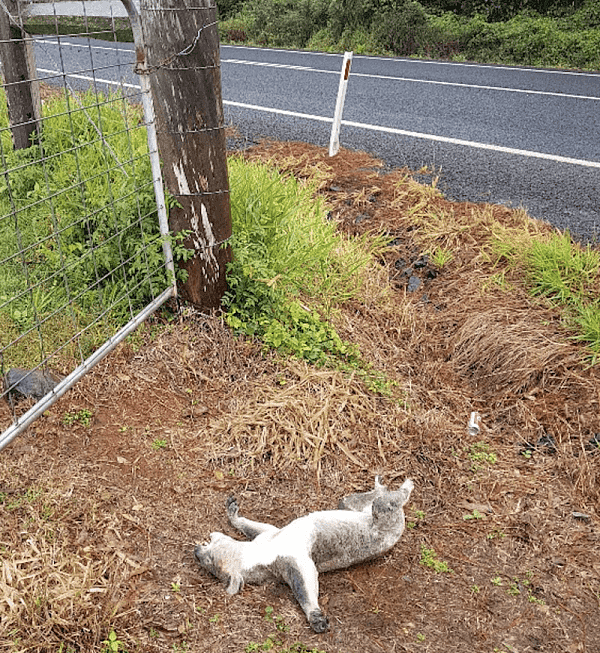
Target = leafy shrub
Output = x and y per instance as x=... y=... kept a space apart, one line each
x=530 y=40
x=350 y=15
x=404 y=29
x=587 y=17
x=85 y=218
x=288 y=261
x=236 y=35
x=228 y=8
x=285 y=22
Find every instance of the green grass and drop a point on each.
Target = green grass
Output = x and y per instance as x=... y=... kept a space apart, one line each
x=75 y=208
x=565 y=273
x=291 y=267
x=79 y=236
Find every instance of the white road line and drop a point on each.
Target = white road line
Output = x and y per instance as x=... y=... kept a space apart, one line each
x=410 y=79
x=425 y=62
x=281 y=112
x=361 y=125
x=474 y=144
x=429 y=137
x=267 y=64
x=478 y=86
x=87 y=78
x=82 y=45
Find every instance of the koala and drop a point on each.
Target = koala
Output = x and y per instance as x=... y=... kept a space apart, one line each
x=364 y=526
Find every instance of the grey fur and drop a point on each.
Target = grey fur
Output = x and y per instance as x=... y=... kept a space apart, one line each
x=365 y=526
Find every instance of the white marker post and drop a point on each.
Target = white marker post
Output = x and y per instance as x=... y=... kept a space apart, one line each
x=334 y=141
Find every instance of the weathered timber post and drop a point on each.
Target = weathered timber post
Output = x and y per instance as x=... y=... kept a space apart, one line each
x=183 y=61
x=18 y=69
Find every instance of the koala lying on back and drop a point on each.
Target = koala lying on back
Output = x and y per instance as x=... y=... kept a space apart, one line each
x=363 y=527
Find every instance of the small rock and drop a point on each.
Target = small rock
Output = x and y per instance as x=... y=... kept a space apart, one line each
x=421 y=262
x=30 y=383
x=580 y=515
x=594 y=443
x=361 y=217
x=547 y=442
x=334 y=189
x=399 y=264
x=414 y=283
x=395 y=242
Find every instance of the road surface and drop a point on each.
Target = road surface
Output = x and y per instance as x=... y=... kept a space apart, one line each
x=515 y=136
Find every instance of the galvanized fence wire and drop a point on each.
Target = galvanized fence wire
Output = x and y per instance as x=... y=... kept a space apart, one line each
x=82 y=258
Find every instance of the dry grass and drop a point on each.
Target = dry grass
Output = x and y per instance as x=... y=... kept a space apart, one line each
x=98 y=523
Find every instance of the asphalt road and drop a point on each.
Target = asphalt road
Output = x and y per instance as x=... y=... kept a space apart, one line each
x=515 y=136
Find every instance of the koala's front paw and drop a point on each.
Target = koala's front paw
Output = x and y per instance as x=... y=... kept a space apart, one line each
x=318 y=621
x=232 y=507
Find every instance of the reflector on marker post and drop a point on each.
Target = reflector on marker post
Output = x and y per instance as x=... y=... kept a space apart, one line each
x=334 y=141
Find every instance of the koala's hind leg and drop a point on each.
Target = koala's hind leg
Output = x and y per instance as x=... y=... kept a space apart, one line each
x=301 y=574
x=248 y=527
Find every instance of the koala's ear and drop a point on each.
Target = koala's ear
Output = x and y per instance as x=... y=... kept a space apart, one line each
x=235 y=583
x=406 y=488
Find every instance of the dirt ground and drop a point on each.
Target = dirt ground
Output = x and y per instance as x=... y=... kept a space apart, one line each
x=502 y=549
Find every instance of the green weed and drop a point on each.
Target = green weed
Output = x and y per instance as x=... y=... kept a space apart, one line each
x=276 y=619
x=112 y=644
x=479 y=453
x=83 y=417
x=430 y=560
x=291 y=268
x=497 y=534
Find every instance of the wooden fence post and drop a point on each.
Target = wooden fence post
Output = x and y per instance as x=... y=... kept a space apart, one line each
x=18 y=68
x=183 y=61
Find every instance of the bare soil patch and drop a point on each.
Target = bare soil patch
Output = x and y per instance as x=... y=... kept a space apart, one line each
x=99 y=522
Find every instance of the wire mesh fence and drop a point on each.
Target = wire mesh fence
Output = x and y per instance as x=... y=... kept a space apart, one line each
x=84 y=257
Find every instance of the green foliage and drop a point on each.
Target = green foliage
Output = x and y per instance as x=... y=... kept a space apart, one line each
x=272 y=643
x=430 y=560
x=276 y=619
x=112 y=644
x=480 y=454
x=288 y=23
x=565 y=273
x=83 y=417
x=290 y=266
x=78 y=227
x=474 y=515
x=561 y=270
x=521 y=32
x=228 y=8
x=525 y=40
x=402 y=29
